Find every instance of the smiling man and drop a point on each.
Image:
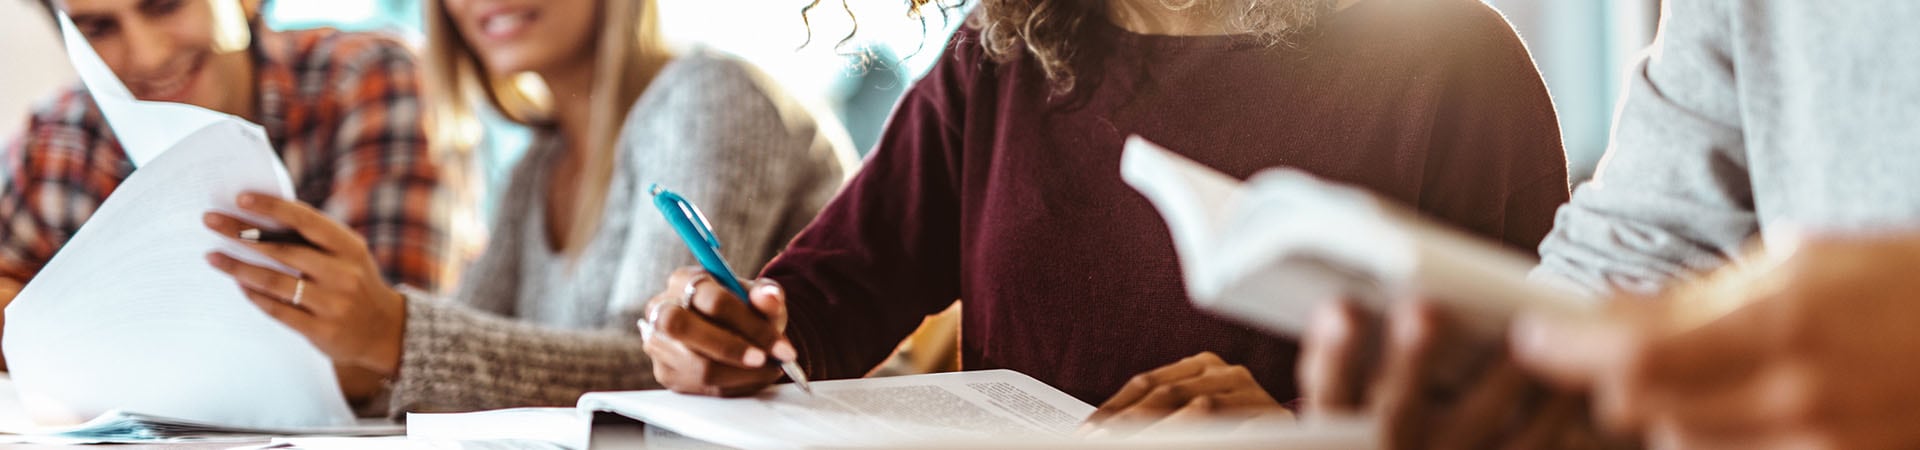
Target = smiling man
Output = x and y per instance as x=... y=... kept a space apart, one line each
x=342 y=110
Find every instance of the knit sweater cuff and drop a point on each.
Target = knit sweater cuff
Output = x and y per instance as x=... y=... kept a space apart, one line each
x=426 y=346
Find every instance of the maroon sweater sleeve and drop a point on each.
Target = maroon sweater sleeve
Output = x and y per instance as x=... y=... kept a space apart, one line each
x=884 y=253
x=1496 y=143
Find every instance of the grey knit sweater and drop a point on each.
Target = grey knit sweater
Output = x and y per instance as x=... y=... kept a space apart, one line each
x=1749 y=116
x=530 y=327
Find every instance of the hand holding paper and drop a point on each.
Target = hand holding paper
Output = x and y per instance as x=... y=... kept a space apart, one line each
x=127 y=316
x=339 y=301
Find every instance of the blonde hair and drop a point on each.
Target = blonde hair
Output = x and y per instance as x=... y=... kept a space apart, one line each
x=629 y=51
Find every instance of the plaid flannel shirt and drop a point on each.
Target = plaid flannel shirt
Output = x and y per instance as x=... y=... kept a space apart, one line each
x=342 y=109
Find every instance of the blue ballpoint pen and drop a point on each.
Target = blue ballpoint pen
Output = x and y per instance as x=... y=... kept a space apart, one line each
x=693 y=228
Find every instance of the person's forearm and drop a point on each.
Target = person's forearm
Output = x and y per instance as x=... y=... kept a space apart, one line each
x=455 y=358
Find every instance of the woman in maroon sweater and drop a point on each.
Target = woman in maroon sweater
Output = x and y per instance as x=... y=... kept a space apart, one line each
x=997 y=183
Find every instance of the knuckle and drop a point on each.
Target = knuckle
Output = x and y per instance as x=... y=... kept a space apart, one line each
x=1141 y=381
x=713 y=302
x=1165 y=391
x=325 y=333
x=672 y=323
x=1799 y=397
x=1615 y=411
x=734 y=348
x=713 y=376
x=698 y=372
x=1638 y=361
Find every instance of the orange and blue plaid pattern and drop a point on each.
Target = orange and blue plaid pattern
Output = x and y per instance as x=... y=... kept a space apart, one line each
x=342 y=109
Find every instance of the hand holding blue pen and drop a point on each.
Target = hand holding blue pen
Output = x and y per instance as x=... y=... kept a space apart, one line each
x=692 y=226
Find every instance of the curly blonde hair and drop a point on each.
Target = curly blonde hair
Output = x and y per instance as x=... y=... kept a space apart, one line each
x=1049 y=30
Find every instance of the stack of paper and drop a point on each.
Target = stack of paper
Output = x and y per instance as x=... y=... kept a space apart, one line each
x=1271 y=250
x=116 y=427
x=129 y=321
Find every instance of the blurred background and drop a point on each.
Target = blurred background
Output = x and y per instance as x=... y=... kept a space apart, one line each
x=1581 y=46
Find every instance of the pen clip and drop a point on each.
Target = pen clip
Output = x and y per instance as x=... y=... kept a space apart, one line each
x=700 y=222
x=693 y=215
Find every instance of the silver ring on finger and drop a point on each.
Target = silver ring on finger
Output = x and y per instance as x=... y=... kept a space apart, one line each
x=650 y=321
x=693 y=287
x=299 y=291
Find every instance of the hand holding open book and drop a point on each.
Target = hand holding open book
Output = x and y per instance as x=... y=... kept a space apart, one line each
x=1283 y=251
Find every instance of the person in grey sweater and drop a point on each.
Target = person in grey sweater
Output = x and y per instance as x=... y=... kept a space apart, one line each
x=1747 y=118
x=1778 y=125
x=1749 y=122
x=547 y=312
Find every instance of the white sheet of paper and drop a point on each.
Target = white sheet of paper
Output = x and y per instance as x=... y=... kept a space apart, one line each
x=129 y=316
x=563 y=427
x=1270 y=250
x=872 y=412
x=145 y=129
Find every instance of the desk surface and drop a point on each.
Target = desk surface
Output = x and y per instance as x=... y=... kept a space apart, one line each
x=205 y=446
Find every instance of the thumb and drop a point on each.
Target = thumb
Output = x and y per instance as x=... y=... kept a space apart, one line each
x=1568 y=352
x=770 y=299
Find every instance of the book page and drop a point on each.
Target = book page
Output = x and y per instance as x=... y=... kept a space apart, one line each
x=877 y=412
x=1263 y=433
x=1269 y=251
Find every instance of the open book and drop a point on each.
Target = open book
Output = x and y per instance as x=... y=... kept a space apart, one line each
x=128 y=324
x=960 y=410
x=1270 y=250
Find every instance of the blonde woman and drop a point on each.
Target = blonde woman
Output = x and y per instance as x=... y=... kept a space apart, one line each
x=547 y=312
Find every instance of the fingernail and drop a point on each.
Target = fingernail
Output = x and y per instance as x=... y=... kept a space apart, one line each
x=1408 y=325
x=1328 y=325
x=754 y=357
x=248 y=200
x=784 y=350
x=1085 y=428
x=767 y=288
x=219 y=261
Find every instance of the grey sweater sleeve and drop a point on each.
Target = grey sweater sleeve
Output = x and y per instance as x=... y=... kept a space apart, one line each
x=460 y=359
x=1673 y=196
x=717 y=134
